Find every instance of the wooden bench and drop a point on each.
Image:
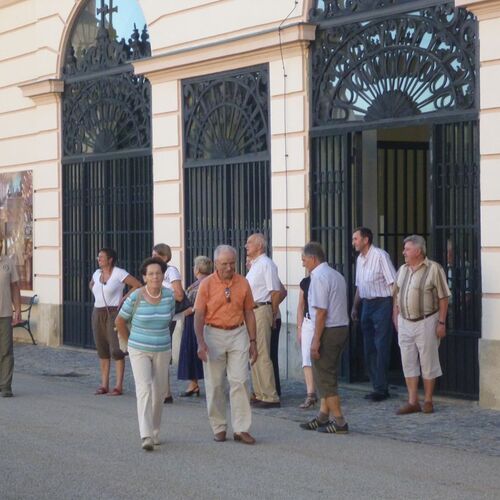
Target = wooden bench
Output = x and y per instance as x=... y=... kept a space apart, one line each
x=25 y=322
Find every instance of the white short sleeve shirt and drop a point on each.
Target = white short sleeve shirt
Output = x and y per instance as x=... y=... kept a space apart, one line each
x=263 y=278
x=109 y=294
x=171 y=274
x=328 y=291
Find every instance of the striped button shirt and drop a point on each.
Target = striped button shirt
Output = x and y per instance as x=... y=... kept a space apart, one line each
x=375 y=274
x=149 y=326
x=418 y=292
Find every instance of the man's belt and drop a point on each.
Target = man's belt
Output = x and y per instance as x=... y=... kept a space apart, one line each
x=420 y=318
x=225 y=327
x=379 y=298
x=259 y=304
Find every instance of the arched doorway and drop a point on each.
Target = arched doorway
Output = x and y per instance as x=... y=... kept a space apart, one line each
x=107 y=167
x=394 y=145
x=227 y=175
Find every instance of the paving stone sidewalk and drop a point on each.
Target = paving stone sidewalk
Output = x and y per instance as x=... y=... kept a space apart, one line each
x=456 y=423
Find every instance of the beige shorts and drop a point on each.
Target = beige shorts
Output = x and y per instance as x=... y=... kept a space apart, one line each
x=419 y=346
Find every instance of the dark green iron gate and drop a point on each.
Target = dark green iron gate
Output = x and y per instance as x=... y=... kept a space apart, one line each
x=384 y=66
x=456 y=223
x=107 y=180
x=226 y=161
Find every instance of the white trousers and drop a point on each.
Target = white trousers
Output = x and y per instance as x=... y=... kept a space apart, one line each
x=306 y=341
x=150 y=371
x=419 y=346
x=227 y=357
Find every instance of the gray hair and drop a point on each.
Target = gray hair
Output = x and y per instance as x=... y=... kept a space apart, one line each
x=223 y=249
x=418 y=241
x=314 y=249
x=203 y=264
x=261 y=239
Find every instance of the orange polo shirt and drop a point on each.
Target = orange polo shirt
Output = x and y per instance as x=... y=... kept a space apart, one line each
x=212 y=299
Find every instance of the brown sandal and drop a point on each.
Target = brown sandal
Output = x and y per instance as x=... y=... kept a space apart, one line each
x=309 y=401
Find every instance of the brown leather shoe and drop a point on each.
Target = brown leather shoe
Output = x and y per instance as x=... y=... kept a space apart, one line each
x=428 y=407
x=220 y=437
x=408 y=408
x=243 y=437
x=266 y=404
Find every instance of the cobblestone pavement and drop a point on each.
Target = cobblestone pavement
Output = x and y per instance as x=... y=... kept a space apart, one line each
x=456 y=423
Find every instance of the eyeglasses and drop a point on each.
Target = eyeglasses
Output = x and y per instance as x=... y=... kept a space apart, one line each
x=227 y=293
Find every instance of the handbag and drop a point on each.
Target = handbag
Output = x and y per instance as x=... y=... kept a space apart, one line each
x=124 y=342
x=182 y=305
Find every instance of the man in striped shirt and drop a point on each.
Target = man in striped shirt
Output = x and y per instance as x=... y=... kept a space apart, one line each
x=375 y=276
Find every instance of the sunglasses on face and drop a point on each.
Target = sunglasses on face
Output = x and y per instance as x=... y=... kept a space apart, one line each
x=227 y=293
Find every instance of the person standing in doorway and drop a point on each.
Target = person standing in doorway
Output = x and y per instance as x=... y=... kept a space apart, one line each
x=172 y=281
x=305 y=333
x=10 y=297
x=421 y=296
x=190 y=366
x=107 y=284
x=327 y=300
x=375 y=276
x=265 y=285
x=224 y=323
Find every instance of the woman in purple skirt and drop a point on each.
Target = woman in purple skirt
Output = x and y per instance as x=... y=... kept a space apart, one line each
x=190 y=366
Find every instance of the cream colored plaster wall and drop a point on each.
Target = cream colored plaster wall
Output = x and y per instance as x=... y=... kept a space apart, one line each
x=184 y=23
x=31 y=34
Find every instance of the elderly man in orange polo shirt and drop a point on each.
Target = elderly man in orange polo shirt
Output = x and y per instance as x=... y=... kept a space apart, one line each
x=224 y=323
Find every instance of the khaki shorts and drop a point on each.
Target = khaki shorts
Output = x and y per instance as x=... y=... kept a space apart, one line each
x=419 y=346
x=325 y=368
x=105 y=337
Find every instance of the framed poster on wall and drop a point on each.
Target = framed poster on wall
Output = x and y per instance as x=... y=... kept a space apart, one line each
x=16 y=222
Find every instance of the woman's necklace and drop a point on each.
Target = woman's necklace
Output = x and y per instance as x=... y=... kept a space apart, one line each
x=151 y=295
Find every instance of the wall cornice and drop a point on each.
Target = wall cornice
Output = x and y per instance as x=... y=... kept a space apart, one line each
x=42 y=90
x=159 y=66
x=482 y=9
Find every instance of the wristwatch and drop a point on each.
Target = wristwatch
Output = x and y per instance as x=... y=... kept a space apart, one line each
x=442 y=322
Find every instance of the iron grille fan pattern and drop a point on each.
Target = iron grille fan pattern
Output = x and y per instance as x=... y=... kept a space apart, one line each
x=404 y=65
x=329 y=9
x=226 y=117
x=227 y=168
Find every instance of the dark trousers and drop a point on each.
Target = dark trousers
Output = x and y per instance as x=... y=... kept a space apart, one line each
x=6 y=354
x=376 y=325
x=275 y=340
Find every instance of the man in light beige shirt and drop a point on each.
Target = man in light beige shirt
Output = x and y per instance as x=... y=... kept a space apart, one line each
x=420 y=307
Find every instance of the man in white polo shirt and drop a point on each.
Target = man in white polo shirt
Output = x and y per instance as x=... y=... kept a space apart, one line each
x=266 y=285
x=375 y=276
x=328 y=309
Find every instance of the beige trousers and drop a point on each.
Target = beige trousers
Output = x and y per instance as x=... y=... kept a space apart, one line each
x=150 y=371
x=227 y=357
x=264 y=384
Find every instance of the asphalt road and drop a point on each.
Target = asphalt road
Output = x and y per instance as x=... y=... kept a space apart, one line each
x=59 y=441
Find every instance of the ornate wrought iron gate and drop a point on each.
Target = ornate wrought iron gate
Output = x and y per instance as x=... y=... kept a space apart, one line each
x=226 y=161
x=107 y=168
x=382 y=65
x=455 y=224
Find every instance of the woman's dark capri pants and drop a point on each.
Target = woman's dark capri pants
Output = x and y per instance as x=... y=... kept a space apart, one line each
x=325 y=368
x=105 y=337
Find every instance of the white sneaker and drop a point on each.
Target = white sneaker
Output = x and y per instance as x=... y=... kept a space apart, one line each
x=156 y=441
x=147 y=444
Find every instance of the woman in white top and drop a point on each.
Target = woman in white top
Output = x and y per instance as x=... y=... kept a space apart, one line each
x=107 y=285
x=172 y=281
